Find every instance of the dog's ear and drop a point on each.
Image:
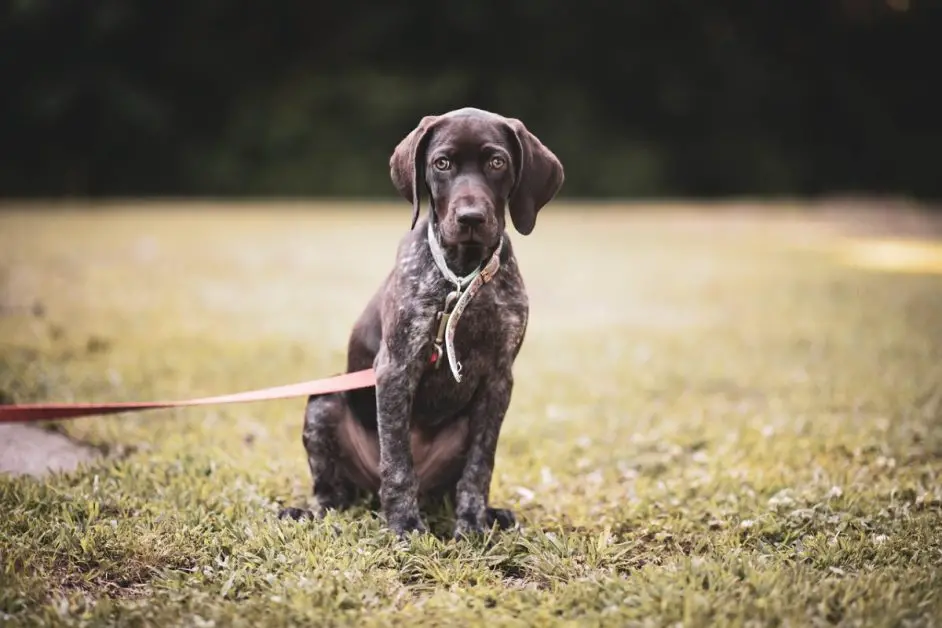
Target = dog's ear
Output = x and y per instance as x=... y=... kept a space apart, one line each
x=407 y=164
x=539 y=177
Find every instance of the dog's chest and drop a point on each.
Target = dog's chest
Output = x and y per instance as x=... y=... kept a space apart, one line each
x=486 y=337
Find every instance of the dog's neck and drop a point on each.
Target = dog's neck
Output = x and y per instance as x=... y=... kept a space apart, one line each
x=463 y=260
x=468 y=274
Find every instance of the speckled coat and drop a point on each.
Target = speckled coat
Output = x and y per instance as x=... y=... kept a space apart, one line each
x=419 y=431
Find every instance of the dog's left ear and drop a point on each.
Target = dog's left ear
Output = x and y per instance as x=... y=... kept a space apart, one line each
x=407 y=164
x=539 y=173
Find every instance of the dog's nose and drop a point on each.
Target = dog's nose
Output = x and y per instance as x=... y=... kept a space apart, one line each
x=471 y=217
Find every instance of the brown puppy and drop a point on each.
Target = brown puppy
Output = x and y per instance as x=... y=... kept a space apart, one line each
x=442 y=332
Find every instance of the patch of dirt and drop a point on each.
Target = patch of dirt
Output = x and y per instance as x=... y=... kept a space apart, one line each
x=28 y=450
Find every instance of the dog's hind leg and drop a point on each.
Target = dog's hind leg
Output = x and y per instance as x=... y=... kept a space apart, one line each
x=332 y=486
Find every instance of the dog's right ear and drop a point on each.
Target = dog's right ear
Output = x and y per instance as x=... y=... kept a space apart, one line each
x=407 y=164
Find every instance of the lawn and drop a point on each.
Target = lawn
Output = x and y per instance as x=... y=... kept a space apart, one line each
x=720 y=417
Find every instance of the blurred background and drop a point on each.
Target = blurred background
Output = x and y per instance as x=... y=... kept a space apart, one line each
x=639 y=99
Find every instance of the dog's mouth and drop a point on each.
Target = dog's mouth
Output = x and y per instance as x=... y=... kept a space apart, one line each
x=466 y=238
x=476 y=237
x=474 y=244
x=470 y=238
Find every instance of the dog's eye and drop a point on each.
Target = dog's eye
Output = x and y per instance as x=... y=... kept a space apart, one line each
x=497 y=162
x=443 y=163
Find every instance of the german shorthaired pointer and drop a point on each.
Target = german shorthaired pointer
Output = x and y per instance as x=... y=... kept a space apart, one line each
x=441 y=333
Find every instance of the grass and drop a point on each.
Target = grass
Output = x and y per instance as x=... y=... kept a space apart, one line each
x=731 y=419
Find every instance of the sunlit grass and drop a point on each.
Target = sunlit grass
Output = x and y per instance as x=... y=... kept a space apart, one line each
x=895 y=255
x=716 y=419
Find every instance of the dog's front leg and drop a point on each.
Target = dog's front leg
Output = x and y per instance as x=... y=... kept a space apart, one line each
x=486 y=416
x=399 y=485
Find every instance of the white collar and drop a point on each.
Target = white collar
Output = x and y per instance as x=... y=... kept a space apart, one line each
x=465 y=288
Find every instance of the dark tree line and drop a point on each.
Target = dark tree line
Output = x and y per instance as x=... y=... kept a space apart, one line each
x=674 y=97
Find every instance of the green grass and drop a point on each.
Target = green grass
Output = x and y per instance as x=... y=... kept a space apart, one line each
x=716 y=420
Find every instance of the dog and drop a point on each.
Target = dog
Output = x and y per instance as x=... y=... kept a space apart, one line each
x=441 y=333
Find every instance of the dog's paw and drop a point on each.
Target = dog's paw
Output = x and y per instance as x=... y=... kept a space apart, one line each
x=504 y=518
x=468 y=527
x=405 y=526
x=296 y=514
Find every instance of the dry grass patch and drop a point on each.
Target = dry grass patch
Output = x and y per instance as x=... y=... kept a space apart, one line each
x=717 y=419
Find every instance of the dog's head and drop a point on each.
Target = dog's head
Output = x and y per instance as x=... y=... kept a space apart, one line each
x=473 y=164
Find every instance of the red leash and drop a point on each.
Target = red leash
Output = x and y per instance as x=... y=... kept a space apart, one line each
x=27 y=412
